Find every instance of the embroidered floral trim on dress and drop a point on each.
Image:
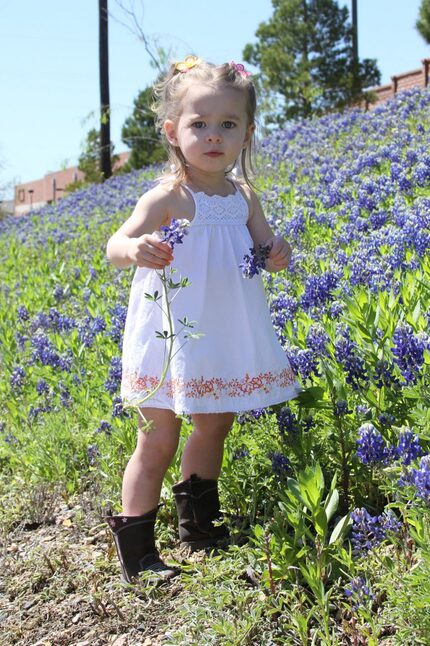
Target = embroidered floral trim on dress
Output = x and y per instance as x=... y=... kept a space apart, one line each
x=218 y=209
x=216 y=387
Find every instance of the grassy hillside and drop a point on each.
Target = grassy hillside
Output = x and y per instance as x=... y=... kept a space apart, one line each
x=327 y=496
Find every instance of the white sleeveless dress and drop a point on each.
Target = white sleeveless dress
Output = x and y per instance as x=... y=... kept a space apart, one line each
x=238 y=364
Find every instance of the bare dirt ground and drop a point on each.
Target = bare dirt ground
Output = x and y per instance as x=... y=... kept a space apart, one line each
x=60 y=585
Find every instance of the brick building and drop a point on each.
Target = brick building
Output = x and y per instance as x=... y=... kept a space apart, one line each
x=33 y=195
x=405 y=81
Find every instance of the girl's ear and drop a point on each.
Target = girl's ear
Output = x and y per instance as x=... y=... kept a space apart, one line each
x=170 y=132
x=249 y=132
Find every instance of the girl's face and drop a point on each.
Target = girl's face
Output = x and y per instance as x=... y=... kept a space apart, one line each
x=212 y=128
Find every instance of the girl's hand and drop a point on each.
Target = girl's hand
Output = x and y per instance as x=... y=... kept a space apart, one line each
x=280 y=254
x=149 y=251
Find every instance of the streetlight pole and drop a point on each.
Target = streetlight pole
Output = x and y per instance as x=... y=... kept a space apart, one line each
x=355 y=67
x=105 y=153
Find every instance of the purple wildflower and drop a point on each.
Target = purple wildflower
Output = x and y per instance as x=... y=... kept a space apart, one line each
x=371 y=446
x=358 y=592
x=409 y=447
x=17 y=377
x=409 y=351
x=92 y=453
x=420 y=478
x=104 y=427
x=174 y=234
x=253 y=264
x=22 y=312
x=287 y=422
x=369 y=531
x=280 y=463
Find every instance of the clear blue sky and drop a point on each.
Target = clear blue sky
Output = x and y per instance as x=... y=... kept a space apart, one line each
x=49 y=64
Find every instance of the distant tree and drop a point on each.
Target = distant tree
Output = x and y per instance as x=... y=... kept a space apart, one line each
x=305 y=55
x=140 y=135
x=89 y=161
x=423 y=22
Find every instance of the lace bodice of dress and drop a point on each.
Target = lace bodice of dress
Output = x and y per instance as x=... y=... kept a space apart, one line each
x=217 y=209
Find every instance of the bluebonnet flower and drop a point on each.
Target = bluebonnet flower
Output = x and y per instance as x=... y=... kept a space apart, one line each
x=408 y=351
x=92 y=453
x=319 y=290
x=240 y=453
x=22 y=312
x=409 y=447
x=42 y=387
x=384 y=375
x=287 y=421
x=420 y=478
x=371 y=446
x=17 y=378
x=254 y=262
x=342 y=408
x=114 y=375
x=104 y=427
x=118 y=315
x=117 y=408
x=21 y=340
x=369 y=531
x=174 y=234
x=346 y=352
x=65 y=396
x=58 y=293
x=386 y=419
x=362 y=409
x=317 y=339
x=256 y=413
x=358 y=592
x=280 y=463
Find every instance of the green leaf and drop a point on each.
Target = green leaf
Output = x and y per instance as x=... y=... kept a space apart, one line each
x=340 y=529
x=331 y=504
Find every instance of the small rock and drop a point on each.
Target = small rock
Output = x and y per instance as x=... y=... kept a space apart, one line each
x=13 y=548
x=29 y=604
x=76 y=618
x=120 y=641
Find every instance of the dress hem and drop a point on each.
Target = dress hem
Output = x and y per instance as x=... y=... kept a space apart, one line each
x=224 y=407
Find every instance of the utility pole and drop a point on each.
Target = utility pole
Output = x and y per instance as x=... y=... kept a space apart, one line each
x=355 y=69
x=105 y=152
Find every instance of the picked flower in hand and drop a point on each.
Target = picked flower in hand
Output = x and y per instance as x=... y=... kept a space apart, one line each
x=174 y=233
x=254 y=262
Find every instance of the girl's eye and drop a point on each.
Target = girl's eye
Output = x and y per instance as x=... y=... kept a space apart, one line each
x=229 y=124
x=198 y=124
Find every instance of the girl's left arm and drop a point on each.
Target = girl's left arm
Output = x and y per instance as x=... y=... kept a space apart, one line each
x=262 y=234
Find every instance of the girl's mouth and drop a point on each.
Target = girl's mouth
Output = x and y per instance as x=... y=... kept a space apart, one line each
x=213 y=154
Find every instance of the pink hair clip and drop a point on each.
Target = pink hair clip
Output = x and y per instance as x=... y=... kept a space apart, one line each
x=240 y=69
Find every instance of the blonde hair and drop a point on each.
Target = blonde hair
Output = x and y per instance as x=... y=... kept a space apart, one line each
x=168 y=95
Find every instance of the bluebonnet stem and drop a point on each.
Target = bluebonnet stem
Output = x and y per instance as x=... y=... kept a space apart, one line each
x=255 y=261
x=371 y=446
x=369 y=531
x=172 y=235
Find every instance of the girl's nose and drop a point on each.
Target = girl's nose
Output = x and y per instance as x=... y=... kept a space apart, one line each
x=214 y=137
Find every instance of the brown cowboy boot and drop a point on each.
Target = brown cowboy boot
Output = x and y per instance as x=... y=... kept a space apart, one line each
x=197 y=503
x=135 y=546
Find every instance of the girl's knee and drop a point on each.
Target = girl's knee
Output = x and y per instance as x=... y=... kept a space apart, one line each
x=215 y=424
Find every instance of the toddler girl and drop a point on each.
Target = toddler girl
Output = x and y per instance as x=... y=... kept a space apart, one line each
x=207 y=116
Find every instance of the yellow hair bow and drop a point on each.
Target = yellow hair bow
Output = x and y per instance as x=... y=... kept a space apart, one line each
x=188 y=63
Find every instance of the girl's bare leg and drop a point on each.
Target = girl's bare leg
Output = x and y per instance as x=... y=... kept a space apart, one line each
x=205 y=447
x=147 y=466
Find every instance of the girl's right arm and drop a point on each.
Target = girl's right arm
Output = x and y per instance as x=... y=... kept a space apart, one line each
x=137 y=241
